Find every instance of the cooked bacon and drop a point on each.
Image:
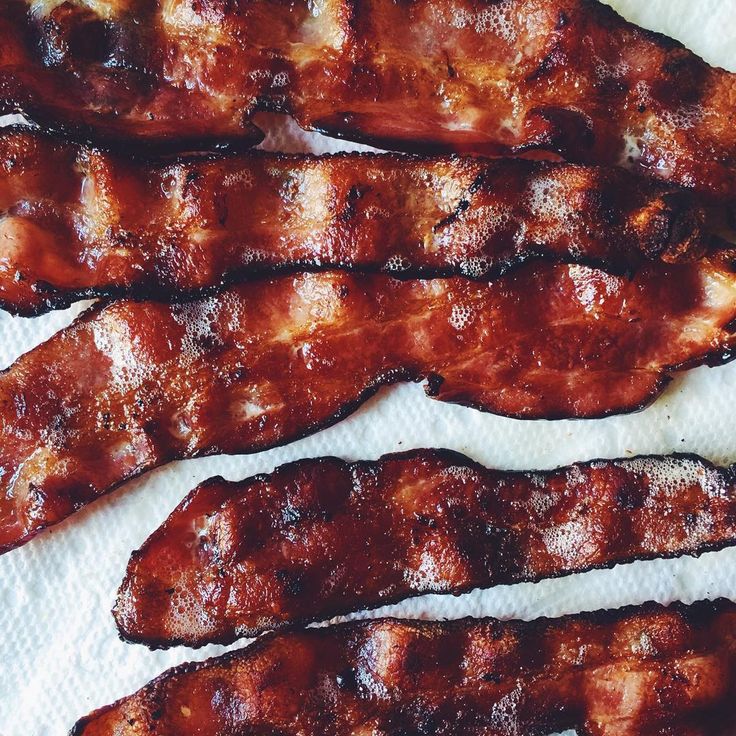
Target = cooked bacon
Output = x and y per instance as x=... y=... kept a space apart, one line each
x=76 y=222
x=639 y=671
x=494 y=77
x=132 y=385
x=321 y=537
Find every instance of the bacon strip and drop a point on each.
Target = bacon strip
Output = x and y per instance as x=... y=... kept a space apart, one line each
x=502 y=77
x=132 y=385
x=647 y=670
x=76 y=222
x=320 y=538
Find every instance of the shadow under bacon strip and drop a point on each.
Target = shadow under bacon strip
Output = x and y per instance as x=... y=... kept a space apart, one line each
x=132 y=385
x=76 y=222
x=319 y=538
x=504 y=77
x=646 y=671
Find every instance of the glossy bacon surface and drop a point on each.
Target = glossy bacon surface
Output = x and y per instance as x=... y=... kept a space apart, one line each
x=77 y=222
x=132 y=385
x=646 y=671
x=487 y=76
x=319 y=538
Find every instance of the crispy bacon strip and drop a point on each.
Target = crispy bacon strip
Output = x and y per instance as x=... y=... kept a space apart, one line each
x=497 y=77
x=76 y=222
x=132 y=385
x=639 y=671
x=320 y=538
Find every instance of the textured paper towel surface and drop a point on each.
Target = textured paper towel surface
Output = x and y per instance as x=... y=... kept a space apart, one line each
x=59 y=653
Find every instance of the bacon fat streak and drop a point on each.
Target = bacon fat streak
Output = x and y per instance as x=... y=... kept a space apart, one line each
x=77 y=222
x=494 y=77
x=647 y=671
x=132 y=385
x=319 y=538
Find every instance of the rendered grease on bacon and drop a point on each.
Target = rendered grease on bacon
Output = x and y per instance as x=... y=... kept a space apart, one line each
x=132 y=385
x=496 y=77
x=322 y=537
x=647 y=671
x=77 y=222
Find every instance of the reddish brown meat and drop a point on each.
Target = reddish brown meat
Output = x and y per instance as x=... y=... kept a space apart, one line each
x=320 y=538
x=483 y=76
x=132 y=385
x=77 y=222
x=638 y=672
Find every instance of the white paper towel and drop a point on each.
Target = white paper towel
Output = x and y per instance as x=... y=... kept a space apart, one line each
x=60 y=656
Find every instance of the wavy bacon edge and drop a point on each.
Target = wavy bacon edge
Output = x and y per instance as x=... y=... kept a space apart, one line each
x=164 y=228
x=144 y=598
x=678 y=661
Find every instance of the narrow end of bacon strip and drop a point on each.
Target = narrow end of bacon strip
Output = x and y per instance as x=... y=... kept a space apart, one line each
x=77 y=222
x=319 y=538
x=646 y=670
x=132 y=385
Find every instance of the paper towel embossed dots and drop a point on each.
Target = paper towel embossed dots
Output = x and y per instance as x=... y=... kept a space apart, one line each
x=566 y=76
x=132 y=385
x=645 y=670
x=77 y=222
x=322 y=537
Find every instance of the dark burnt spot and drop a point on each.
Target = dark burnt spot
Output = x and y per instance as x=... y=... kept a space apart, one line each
x=451 y=71
x=92 y=42
x=612 y=87
x=425 y=520
x=563 y=20
x=495 y=532
x=345 y=680
x=208 y=343
x=221 y=209
x=238 y=374
x=631 y=497
x=565 y=131
x=349 y=209
x=457 y=511
x=461 y=207
x=151 y=427
x=343 y=291
x=554 y=59
x=493 y=677
x=433 y=383
x=292 y=582
x=73 y=34
x=157 y=714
